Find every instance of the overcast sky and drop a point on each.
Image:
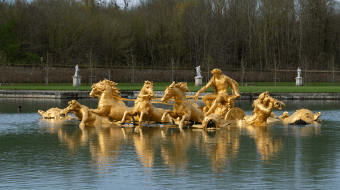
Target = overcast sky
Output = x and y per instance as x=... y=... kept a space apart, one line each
x=121 y=2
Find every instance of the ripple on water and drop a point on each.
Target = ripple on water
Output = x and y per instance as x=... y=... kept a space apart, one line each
x=18 y=123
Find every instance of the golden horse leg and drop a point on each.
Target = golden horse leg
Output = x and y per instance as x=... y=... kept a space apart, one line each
x=131 y=113
x=184 y=118
x=142 y=113
x=164 y=114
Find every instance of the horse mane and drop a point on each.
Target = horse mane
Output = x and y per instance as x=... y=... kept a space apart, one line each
x=115 y=90
x=181 y=85
x=148 y=82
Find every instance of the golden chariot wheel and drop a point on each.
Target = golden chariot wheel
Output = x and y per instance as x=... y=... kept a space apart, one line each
x=235 y=114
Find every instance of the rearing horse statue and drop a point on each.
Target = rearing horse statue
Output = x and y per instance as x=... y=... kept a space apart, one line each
x=183 y=108
x=109 y=104
x=144 y=108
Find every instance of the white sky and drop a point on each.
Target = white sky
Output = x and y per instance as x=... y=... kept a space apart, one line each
x=132 y=2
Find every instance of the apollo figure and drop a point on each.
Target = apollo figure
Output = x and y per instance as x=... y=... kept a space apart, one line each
x=220 y=84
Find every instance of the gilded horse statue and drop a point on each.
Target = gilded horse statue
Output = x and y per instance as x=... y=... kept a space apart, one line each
x=109 y=104
x=183 y=109
x=144 y=108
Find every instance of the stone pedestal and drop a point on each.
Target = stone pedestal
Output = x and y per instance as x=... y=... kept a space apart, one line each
x=75 y=80
x=198 y=81
x=298 y=81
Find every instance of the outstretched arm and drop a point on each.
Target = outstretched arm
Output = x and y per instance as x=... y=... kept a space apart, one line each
x=204 y=88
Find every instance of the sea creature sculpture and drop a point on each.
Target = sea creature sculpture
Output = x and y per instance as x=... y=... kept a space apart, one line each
x=109 y=104
x=84 y=114
x=300 y=117
x=183 y=109
x=54 y=113
x=144 y=108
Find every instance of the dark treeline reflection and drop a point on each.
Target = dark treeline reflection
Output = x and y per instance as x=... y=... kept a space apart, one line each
x=248 y=34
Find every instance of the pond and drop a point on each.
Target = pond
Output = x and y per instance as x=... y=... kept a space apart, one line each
x=36 y=154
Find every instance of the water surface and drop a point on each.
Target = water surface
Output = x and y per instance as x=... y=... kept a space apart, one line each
x=37 y=154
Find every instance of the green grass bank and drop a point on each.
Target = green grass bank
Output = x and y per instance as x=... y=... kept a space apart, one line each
x=321 y=88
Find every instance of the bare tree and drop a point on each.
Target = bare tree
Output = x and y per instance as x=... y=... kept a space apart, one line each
x=208 y=62
x=333 y=67
x=48 y=64
x=243 y=67
x=305 y=66
x=3 y=63
x=91 y=63
x=132 y=63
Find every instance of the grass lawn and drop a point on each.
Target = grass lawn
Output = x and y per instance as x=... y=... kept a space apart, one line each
x=282 y=87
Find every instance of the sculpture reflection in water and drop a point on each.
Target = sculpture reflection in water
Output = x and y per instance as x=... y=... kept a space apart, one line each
x=171 y=147
x=267 y=146
x=219 y=110
x=221 y=146
x=104 y=141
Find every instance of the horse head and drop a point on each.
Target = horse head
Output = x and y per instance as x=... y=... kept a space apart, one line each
x=95 y=91
x=171 y=90
x=147 y=90
x=104 y=86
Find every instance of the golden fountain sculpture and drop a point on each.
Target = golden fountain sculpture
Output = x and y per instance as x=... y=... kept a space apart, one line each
x=263 y=108
x=183 y=109
x=109 y=104
x=220 y=97
x=144 y=108
x=219 y=105
x=263 y=113
x=300 y=117
x=84 y=114
x=55 y=114
x=219 y=110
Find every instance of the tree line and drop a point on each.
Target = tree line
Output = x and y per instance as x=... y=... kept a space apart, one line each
x=227 y=34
